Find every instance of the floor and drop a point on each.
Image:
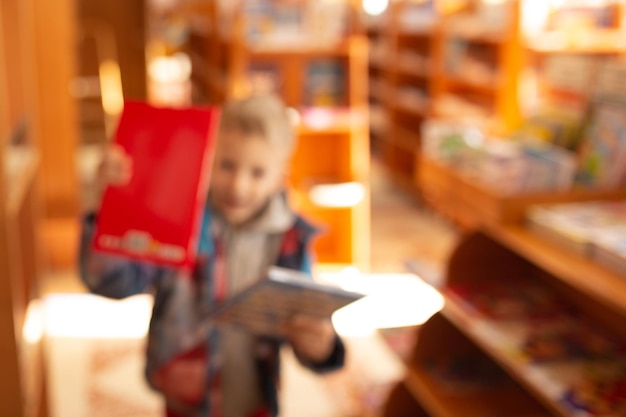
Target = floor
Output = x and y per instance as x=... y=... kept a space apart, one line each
x=96 y=369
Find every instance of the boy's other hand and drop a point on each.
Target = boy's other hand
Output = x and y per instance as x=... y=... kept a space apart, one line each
x=312 y=338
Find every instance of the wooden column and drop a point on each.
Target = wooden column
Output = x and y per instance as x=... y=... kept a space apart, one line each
x=49 y=37
x=11 y=404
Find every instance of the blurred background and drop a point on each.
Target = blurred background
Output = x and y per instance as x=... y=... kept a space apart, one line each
x=418 y=122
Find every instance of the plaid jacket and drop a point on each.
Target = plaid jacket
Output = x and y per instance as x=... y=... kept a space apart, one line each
x=181 y=298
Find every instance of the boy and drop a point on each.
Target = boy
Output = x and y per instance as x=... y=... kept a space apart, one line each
x=200 y=369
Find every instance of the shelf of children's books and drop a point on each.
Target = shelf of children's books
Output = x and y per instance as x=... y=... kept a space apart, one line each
x=578 y=272
x=450 y=376
x=487 y=338
x=553 y=339
x=462 y=196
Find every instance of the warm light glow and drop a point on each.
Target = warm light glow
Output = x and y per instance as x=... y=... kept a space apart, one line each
x=170 y=69
x=33 y=329
x=392 y=300
x=375 y=7
x=111 y=87
x=535 y=15
x=88 y=315
x=346 y=194
x=169 y=80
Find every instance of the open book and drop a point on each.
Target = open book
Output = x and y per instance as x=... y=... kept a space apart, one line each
x=263 y=306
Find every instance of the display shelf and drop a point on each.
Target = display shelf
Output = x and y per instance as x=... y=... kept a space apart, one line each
x=340 y=139
x=464 y=201
x=435 y=66
x=26 y=152
x=575 y=271
x=470 y=385
x=586 y=293
x=519 y=371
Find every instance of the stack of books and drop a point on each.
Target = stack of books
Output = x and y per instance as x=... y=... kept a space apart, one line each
x=595 y=229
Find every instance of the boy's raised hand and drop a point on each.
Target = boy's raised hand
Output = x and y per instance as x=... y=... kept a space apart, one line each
x=115 y=168
x=313 y=339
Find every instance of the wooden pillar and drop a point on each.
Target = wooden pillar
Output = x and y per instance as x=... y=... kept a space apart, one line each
x=10 y=387
x=49 y=36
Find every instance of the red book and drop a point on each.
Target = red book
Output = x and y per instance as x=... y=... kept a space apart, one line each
x=155 y=216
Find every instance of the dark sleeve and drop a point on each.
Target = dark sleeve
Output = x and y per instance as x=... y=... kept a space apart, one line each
x=108 y=275
x=335 y=361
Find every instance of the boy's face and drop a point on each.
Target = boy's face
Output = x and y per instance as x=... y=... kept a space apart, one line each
x=247 y=171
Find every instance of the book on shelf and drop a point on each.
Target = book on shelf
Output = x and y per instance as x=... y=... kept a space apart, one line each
x=548 y=168
x=559 y=126
x=295 y=23
x=609 y=248
x=570 y=73
x=596 y=389
x=569 y=338
x=510 y=299
x=155 y=216
x=418 y=16
x=264 y=306
x=269 y=22
x=265 y=77
x=609 y=83
x=561 y=353
x=576 y=226
x=584 y=15
x=602 y=153
x=507 y=167
x=325 y=84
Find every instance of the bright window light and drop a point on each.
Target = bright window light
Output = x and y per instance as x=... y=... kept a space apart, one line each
x=92 y=316
x=111 y=87
x=170 y=69
x=33 y=324
x=346 y=194
x=375 y=7
x=391 y=301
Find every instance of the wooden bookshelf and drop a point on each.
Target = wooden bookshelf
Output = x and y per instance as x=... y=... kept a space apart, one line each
x=495 y=246
x=38 y=132
x=499 y=253
x=332 y=148
x=431 y=71
x=469 y=204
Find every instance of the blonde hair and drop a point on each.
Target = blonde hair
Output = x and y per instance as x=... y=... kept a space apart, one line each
x=263 y=115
